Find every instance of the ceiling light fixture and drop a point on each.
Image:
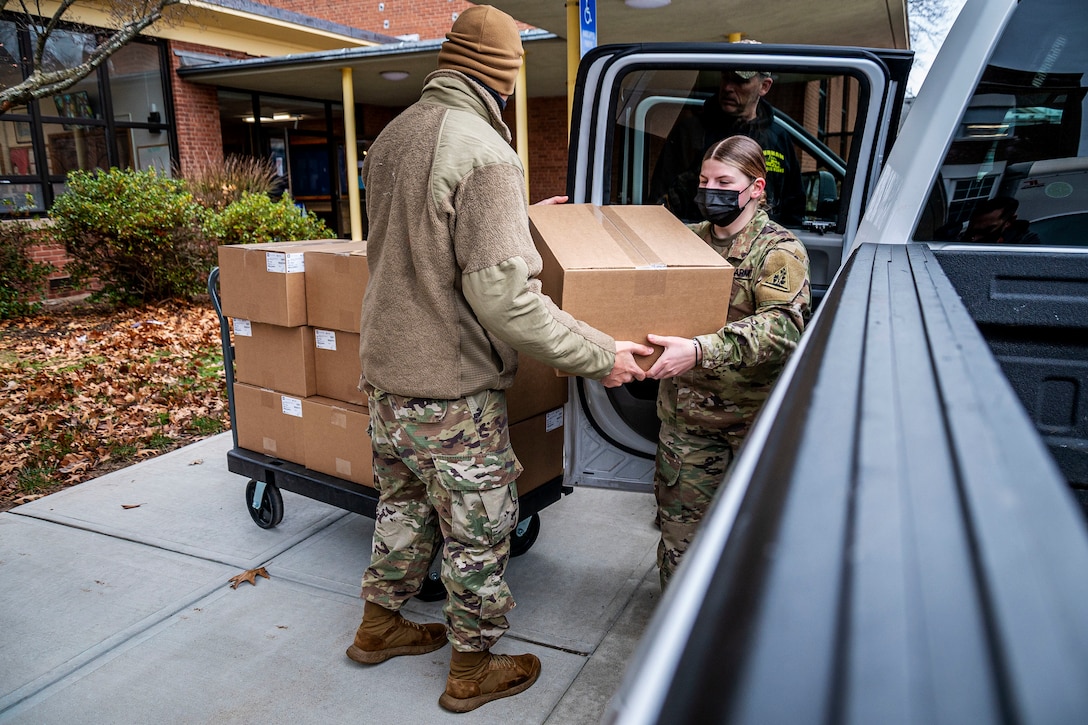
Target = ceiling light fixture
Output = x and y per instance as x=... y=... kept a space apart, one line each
x=646 y=4
x=394 y=75
x=275 y=118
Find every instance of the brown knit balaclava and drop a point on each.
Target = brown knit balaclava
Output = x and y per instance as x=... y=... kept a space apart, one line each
x=484 y=43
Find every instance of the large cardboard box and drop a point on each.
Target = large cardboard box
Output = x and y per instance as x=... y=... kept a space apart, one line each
x=266 y=282
x=536 y=389
x=538 y=444
x=336 y=278
x=336 y=359
x=275 y=357
x=631 y=270
x=337 y=441
x=269 y=422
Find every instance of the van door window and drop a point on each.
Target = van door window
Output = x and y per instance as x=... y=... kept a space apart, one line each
x=1016 y=171
x=666 y=119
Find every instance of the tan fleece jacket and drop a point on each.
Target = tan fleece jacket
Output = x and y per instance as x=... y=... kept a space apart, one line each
x=452 y=293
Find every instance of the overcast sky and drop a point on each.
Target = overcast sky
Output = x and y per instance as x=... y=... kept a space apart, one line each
x=926 y=38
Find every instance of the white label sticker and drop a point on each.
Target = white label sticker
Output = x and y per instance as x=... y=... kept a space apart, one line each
x=325 y=339
x=553 y=419
x=296 y=262
x=291 y=406
x=243 y=328
x=275 y=262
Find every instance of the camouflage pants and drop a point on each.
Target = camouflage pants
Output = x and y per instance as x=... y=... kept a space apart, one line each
x=446 y=476
x=689 y=469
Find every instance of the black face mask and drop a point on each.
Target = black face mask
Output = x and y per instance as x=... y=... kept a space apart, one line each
x=720 y=207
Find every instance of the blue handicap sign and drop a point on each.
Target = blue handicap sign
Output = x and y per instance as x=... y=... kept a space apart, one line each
x=587 y=12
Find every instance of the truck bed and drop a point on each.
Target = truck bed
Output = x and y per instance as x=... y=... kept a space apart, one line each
x=1032 y=309
x=898 y=544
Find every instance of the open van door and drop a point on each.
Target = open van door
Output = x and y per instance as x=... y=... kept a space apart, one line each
x=840 y=107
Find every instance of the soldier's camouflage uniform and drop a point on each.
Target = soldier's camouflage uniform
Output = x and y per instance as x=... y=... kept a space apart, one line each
x=451 y=300
x=446 y=472
x=707 y=412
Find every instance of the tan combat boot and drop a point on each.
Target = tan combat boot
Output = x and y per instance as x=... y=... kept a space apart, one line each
x=480 y=677
x=385 y=633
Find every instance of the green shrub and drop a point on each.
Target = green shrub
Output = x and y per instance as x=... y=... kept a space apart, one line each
x=22 y=279
x=256 y=218
x=137 y=232
x=217 y=183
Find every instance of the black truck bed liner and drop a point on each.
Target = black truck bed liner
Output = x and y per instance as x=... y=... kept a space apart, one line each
x=904 y=549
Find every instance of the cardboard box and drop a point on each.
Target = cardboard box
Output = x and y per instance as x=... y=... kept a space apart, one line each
x=266 y=282
x=269 y=422
x=275 y=357
x=337 y=441
x=336 y=279
x=536 y=389
x=336 y=359
x=538 y=444
x=631 y=270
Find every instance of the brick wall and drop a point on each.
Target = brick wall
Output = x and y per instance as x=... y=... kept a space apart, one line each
x=428 y=19
x=196 y=112
x=547 y=148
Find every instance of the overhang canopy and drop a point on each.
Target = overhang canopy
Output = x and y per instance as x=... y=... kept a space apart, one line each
x=868 y=23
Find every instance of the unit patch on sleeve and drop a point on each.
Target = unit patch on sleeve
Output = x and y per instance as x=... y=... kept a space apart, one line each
x=782 y=278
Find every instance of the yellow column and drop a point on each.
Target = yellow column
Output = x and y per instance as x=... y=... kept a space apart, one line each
x=521 y=121
x=351 y=151
x=574 y=55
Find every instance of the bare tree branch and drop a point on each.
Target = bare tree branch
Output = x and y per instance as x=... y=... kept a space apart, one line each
x=130 y=18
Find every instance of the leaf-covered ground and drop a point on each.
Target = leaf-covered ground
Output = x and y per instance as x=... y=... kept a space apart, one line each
x=85 y=390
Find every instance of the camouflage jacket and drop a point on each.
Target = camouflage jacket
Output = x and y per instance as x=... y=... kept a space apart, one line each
x=770 y=305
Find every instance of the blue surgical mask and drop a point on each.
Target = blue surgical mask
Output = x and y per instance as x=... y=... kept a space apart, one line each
x=720 y=207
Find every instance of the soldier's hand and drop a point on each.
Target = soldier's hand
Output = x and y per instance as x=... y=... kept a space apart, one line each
x=678 y=358
x=552 y=200
x=625 y=369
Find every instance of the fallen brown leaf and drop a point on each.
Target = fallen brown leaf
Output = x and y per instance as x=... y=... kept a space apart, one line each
x=248 y=576
x=85 y=390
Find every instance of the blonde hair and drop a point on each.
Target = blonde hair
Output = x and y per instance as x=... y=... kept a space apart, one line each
x=744 y=154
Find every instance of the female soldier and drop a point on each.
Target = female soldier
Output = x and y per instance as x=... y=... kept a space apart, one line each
x=714 y=384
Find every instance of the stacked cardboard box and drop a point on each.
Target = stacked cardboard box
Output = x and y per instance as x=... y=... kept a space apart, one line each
x=295 y=314
x=631 y=270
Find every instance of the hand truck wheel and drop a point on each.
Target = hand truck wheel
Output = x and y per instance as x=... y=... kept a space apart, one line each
x=265 y=507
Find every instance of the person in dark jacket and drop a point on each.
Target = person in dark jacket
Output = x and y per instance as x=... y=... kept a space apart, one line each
x=738 y=108
x=994 y=221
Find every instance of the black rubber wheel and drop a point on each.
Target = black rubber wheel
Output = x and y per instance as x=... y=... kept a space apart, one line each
x=433 y=590
x=524 y=535
x=271 y=511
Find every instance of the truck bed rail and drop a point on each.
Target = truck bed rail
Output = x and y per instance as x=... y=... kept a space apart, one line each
x=901 y=547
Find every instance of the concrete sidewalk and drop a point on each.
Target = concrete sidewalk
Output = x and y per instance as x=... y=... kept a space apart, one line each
x=115 y=606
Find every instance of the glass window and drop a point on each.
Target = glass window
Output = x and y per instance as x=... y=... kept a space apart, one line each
x=1017 y=169
x=10 y=72
x=70 y=148
x=66 y=49
x=668 y=118
x=16 y=150
x=20 y=197
x=136 y=84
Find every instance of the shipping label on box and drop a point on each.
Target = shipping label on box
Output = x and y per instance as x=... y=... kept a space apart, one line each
x=337 y=440
x=631 y=270
x=336 y=279
x=336 y=358
x=275 y=357
x=266 y=282
x=538 y=444
x=269 y=422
